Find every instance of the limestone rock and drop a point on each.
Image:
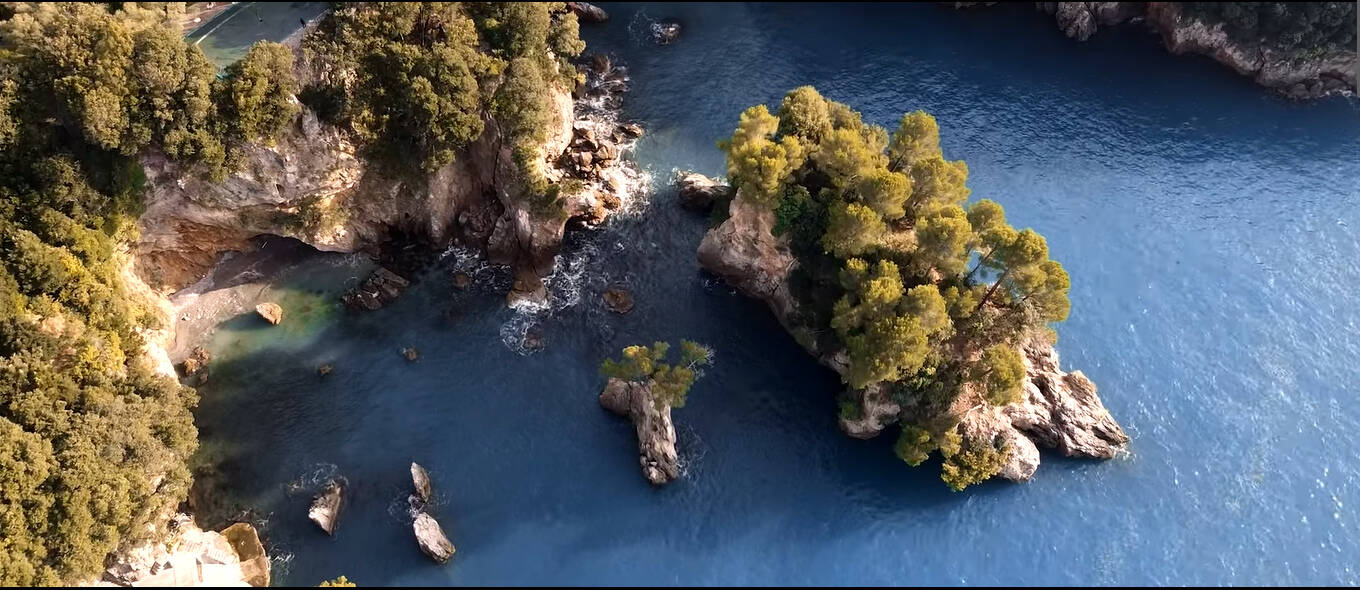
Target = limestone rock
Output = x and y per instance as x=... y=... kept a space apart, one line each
x=657 y=454
x=618 y=300
x=588 y=13
x=271 y=312
x=325 y=511
x=875 y=411
x=632 y=130
x=1061 y=410
x=190 y=556
x=700 y=193
x=195 y=367
x=250 y=553
x=421 y=480
x=432 y=539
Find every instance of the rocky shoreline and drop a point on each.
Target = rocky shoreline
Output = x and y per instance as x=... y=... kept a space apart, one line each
x=1059 y=410
x=1292 y=74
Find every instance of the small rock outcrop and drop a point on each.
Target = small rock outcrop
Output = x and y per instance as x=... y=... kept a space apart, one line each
x=666 y=30
x=324 y=369
x=420 y=479
x=699 y=193
x=432 y=539
x=381 y=287
x=655 y=432
x=410 y=353
x=325 y=511
x=250 y=551
x=588 y=13
x=1062 y=411
x=461 y=280
x=271 y=312
x=618 y=300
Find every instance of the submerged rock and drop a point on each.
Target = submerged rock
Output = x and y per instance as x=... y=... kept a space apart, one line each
x=632 y=130
x=700 y=193
x=324 y=369
x=410 y=353
x=325 y=511
x=432 y=539
x=271 y=312
x=666 y=30
x=657 y=455
x=421 y=480
x=461 y=280
x=381 y=287
x=588 y=13
x=618 y=300
x=534 y=338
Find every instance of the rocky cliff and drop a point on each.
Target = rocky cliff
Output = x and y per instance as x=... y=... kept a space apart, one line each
x=1297 y=74
x=1059 y=410
x=193 y=557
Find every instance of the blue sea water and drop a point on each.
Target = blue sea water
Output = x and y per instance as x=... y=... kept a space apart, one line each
x=1209 y=229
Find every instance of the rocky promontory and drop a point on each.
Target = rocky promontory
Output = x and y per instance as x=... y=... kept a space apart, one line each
x=1296 y=72
x=190 y=556
x=1059 y=410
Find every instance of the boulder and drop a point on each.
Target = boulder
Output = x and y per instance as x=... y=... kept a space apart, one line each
x=588 y=13
x=601 y=64
x=195 y=367
x=432 y=539
x=657 y=454
x=666 y=30
x=700 y=193
x=324 y=369
x=254 y=563
x=606 y=153
x=421 y=480
x=632 y=130
x=271 y=312
x=325 y=511
x=410 y=353
x=618 y=300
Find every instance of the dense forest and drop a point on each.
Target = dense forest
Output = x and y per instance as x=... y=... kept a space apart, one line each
x=929 y=295
x=1291 y=26
x=93 y=443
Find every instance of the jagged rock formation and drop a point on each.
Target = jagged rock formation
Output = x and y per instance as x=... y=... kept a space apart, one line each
x=655 y=432
x=193 y=557
x=1296 y=74
x=325 y=510
x=1060 y=410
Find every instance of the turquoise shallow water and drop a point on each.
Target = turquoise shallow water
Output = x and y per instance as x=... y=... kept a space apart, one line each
x=1209 y=229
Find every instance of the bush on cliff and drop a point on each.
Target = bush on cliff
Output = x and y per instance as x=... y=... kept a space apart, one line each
x=94 y=444
x=929 y=295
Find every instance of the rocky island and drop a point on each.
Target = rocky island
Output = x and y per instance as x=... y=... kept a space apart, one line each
x=935 y=315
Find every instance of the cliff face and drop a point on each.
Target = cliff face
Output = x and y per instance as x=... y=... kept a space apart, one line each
x=1293 y=74
x=1059 y=410
x=313 y=185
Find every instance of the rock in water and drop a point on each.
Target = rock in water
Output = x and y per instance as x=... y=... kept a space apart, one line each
x=666 y=30
x=461 y=280
x=588 y=13
x=421 y=479
x=700 y=193
x=325 y=511
x=254 y=563
x=380 y=288
x=324 y=370
x=618 y=300
x=410 y=353
x=195 y=367
x=431 y=538
x=631 y=130
x=657 y=455
x=271 y=312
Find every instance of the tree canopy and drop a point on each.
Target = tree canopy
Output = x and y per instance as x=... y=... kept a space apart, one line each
x=93 y=443
x=929 y=295
x=670 y=383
